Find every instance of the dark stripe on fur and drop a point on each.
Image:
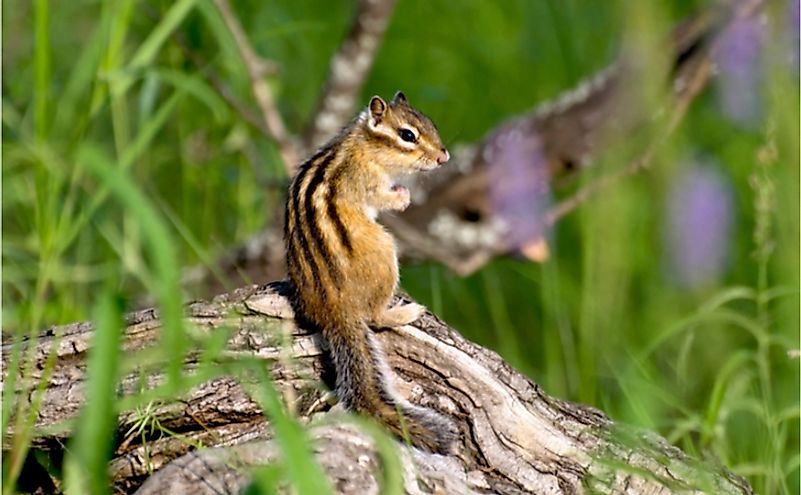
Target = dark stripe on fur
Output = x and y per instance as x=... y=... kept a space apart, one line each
x=313 y=224
x=300 y=247
x=333 y=214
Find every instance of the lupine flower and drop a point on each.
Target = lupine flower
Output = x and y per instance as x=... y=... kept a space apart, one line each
x=700 y=213
x=519 y=184
x=739 y=60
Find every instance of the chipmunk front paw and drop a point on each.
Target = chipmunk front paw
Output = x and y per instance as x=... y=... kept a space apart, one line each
x=400 y=198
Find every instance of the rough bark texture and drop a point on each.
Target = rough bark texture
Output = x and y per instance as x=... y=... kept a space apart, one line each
x=516 y=439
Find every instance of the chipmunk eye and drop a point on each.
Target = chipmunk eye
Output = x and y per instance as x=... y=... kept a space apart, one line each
x=407 y=135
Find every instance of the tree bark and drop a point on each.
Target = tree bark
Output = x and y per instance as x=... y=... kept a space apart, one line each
x=515 y=438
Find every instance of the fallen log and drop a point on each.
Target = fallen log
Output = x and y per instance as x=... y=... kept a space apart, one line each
x=514 y=437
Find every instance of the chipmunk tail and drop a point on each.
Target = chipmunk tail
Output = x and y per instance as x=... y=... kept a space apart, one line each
x=363 y=384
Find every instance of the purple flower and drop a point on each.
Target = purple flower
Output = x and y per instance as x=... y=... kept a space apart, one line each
x=519 y=184
x=700 y=213
x=739 y=60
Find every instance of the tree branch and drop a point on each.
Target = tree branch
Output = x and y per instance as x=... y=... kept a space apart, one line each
x=692 y=78
x=698 y=79
x=455 y=218
x=348 y=70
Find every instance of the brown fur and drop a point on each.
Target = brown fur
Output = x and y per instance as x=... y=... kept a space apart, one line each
x=343 y=264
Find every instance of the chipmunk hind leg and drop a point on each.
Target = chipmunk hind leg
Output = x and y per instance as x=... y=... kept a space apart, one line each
x=400 y=315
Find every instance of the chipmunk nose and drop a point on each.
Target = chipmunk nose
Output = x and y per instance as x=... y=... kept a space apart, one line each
x=443 y=157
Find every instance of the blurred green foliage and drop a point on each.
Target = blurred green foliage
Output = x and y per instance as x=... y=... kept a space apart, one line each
x=122 y=163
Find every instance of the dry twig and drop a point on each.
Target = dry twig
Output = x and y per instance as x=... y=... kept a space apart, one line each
x=258 y=69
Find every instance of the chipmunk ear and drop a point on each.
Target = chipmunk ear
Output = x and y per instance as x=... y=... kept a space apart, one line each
x=377 y=109
x=399 y=97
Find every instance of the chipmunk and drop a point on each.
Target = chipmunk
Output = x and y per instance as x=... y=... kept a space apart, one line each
x=342 y=263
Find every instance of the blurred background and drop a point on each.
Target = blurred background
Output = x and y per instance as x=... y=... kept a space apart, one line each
x=669 y=299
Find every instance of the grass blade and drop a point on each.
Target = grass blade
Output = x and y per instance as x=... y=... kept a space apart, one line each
x=161 y=247
x=90 y=449
x=301 y=468
x=42 y=57
x=148 y=50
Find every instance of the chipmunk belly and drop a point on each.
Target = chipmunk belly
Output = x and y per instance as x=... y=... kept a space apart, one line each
x=369 y=279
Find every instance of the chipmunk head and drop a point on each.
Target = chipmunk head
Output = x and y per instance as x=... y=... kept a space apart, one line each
x=408 y=131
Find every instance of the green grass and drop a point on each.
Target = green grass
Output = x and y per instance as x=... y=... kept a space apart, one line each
x=122 y=164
